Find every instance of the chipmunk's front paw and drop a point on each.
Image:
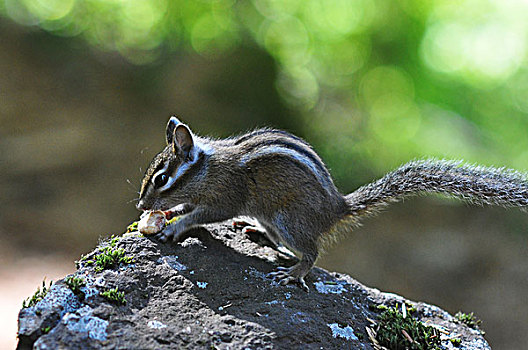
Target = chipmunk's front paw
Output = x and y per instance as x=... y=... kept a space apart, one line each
x=287 y=275
x=164 y=235
x=171 y=232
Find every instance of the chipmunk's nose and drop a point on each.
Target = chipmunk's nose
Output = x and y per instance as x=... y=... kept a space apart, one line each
x=141 y=205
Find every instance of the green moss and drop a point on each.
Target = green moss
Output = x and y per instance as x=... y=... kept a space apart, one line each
x=114 y=295
x=114 y=240
x=46 y=330
x=75 y=284
x=132 y=227
x=397 y=331
x=83 y=259
x=468 y=319
x=38 y=296
x=456 y=341
x=109 y=256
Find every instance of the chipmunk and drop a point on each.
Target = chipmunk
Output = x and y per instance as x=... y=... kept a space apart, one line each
x=278 y=179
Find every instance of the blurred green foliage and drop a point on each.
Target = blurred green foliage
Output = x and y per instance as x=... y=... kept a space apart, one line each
x=376 y=82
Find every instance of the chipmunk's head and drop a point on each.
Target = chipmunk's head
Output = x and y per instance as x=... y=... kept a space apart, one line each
x=173 y=174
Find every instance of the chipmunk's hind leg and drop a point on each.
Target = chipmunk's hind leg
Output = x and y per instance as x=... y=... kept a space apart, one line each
x=302 y=237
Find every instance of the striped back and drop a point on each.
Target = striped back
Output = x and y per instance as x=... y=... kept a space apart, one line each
x=265 y=142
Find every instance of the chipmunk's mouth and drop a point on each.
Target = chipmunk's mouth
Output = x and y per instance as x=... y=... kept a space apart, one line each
x=169 y=213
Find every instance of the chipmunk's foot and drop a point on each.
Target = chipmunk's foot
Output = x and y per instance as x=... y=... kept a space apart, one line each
x=165 y=235
x=172 y=232
x=248 y=227
x=287 y=275
x=240 y=224
x=255 y=232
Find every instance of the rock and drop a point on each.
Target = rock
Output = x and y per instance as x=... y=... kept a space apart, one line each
x=211 y=291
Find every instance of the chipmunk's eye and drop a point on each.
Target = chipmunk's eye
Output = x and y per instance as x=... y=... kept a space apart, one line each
x=160 y=180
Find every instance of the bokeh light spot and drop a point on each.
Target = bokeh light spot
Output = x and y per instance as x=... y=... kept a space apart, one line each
x=299 y=87
x=394 y=117
x=287 y=39
x=48 y=10
x=386 y=80
x=338 y=18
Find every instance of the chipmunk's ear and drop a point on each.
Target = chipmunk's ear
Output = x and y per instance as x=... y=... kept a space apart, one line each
x=171 y=125
x=183 y=142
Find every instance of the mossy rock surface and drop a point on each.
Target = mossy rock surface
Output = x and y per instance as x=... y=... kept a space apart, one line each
x=211 y=292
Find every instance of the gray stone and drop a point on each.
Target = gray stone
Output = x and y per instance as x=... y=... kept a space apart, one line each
x=211 y=291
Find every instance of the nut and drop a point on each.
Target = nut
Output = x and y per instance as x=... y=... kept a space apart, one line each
x=151 y=222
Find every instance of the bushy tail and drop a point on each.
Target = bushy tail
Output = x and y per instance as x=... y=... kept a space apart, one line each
x=476 y=184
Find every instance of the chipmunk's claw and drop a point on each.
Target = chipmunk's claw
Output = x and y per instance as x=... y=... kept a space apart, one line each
x=162 y=237
x=172 y=232
x=286 y=275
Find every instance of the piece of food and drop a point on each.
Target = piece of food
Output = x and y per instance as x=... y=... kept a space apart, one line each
x=151 y=222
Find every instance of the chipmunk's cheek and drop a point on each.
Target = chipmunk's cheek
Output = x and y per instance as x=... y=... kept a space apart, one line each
x=156 y=206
